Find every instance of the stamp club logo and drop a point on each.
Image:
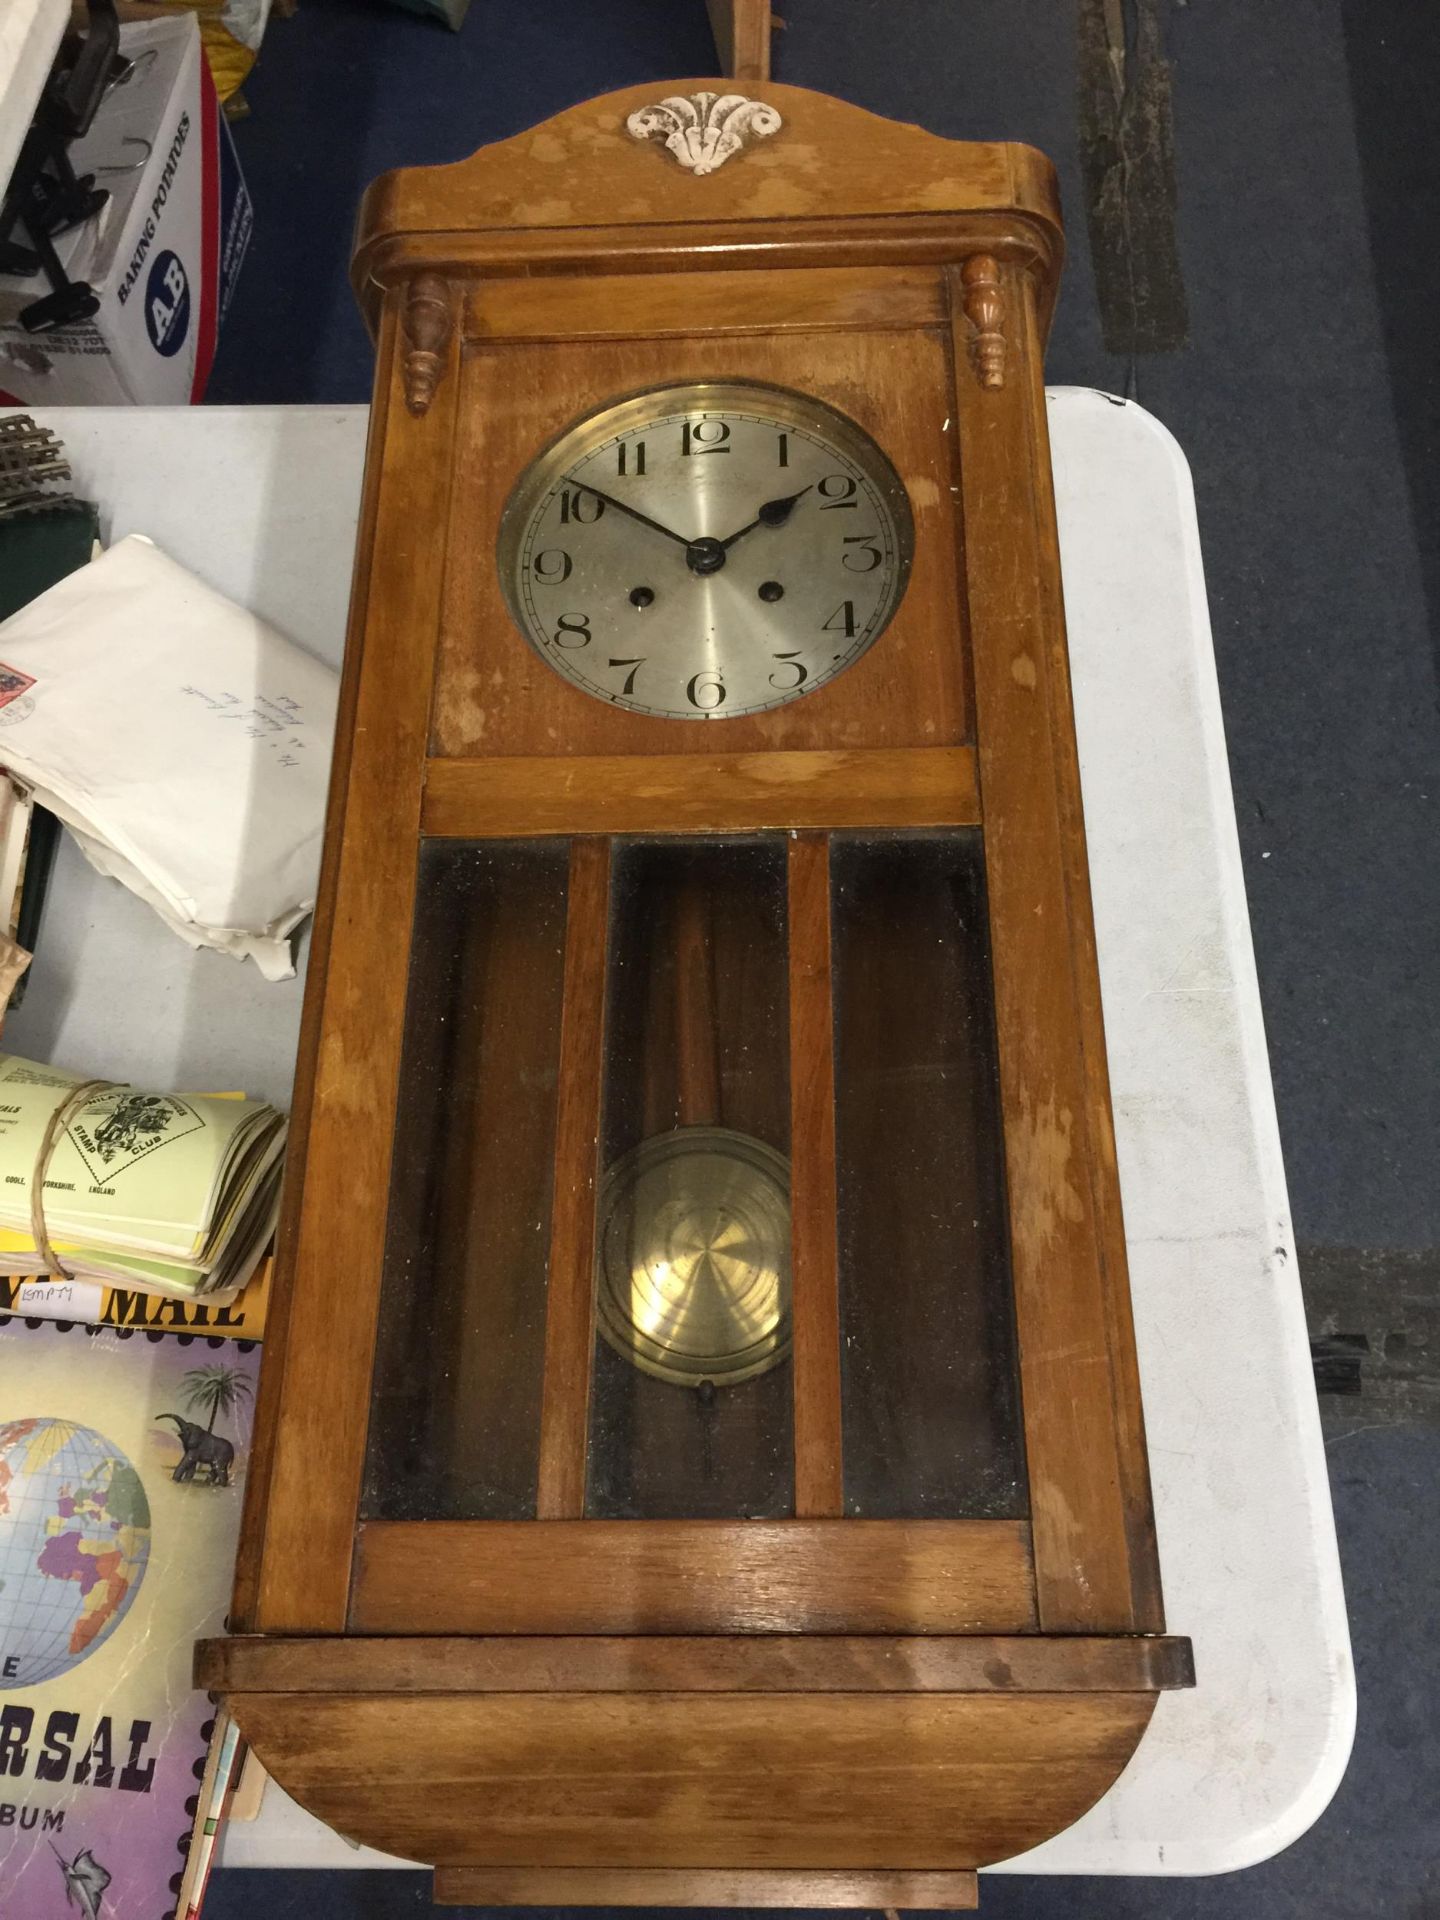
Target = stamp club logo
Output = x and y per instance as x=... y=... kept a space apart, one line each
x=116 y=1129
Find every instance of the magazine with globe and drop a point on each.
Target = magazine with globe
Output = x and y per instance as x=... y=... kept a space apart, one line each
x=122 y=1460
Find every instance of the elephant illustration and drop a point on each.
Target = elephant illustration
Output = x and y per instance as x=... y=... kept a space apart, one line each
x=209 y=1450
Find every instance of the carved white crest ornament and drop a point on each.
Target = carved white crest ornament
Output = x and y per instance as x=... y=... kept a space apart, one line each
x=703 y=131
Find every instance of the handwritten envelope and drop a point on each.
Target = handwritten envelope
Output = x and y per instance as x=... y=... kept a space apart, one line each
x=184 y=742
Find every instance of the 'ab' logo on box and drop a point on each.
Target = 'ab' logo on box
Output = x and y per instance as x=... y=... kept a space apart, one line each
x=167 y=303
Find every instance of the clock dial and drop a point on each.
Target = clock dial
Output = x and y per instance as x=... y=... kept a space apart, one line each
x=704 y=551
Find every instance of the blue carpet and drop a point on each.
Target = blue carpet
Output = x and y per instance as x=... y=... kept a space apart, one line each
x=1308 y=401
x=350 y=88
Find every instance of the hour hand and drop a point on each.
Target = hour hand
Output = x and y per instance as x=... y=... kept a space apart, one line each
x=774 y=513
x=620 y=507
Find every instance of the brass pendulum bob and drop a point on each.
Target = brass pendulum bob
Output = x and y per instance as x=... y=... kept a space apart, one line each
x=693 y=1257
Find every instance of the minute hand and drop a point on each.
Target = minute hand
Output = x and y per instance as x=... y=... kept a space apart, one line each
x=620 y=507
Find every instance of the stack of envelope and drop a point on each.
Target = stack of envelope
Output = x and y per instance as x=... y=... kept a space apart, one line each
x=174 y=1193
x=185 y=743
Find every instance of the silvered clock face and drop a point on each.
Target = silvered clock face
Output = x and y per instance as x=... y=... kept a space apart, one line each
x=703 y=551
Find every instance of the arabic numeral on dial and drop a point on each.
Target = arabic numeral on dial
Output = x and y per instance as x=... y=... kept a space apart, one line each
x=706 y=691
x=704 y=436
x=794 y=664
x=868 y=557
x=581 y=507
x=837 y=490
x=842 y=620
x=572 y=630
x=550 y=566
x=634 y=666
x=631 y=459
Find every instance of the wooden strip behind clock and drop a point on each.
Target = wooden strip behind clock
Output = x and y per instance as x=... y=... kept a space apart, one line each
x=700 y=1452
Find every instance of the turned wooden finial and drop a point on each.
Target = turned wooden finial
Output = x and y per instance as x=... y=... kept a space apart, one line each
x=427 y=323
x=985 y=310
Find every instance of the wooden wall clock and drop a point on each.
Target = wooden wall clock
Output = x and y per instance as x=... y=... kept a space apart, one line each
x=700 y=1450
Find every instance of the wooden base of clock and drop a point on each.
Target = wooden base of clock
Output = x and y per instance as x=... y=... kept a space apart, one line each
x=706 y=719
x=768 y=1770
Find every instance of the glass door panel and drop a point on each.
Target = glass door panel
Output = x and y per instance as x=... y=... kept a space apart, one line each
x=690 y=1412
x=454 y=1425
x=930 y=1386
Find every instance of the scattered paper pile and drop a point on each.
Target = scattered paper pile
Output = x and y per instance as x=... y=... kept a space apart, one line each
x=184 y=743
x=175 y=1193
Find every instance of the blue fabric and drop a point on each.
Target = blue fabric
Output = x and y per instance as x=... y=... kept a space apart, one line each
x=1309 y=405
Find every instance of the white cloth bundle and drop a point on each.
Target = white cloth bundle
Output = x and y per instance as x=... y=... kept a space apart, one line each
x=184 y=742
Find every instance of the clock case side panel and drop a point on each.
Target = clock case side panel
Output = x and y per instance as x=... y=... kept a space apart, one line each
x=269 y=1398
x=1096 y=1566
x=293 y=1570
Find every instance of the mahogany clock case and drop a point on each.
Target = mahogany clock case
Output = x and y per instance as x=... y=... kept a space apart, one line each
x=531 y=1587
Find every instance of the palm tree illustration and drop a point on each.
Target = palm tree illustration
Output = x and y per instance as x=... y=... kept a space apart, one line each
x=214 y=1390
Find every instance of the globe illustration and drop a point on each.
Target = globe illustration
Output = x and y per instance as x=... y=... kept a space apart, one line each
x=74 y=1540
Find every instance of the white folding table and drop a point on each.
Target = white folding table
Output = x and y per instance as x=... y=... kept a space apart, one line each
x=263 y=503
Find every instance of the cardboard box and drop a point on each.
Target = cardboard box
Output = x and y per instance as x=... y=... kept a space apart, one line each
x=162 y=254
